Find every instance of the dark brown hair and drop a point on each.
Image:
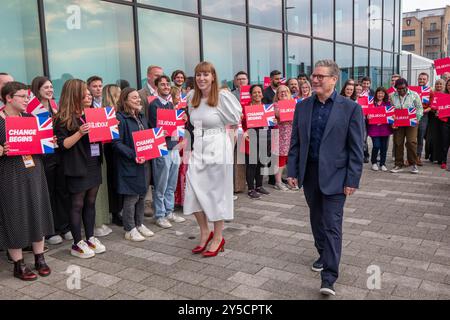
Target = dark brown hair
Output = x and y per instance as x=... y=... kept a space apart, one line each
x=71 y=103
x=37 y=84
x=123 y=105
x=10 y=89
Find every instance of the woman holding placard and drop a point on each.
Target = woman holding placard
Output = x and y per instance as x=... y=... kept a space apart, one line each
x=82 y=165
x=209 y=179
x=132 y=174
x=25 y=209
x=284 y=137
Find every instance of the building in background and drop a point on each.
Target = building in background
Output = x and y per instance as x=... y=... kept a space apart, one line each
x=426 y=32
x=118 y=39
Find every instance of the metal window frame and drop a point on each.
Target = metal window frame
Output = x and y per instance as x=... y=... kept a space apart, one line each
x=284 y=32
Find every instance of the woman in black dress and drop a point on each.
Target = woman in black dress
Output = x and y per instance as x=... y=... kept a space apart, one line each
x=434 y=136
x=82 y=165
x=25 y=210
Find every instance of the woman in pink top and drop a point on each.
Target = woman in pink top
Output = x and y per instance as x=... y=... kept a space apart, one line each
x=380 y=132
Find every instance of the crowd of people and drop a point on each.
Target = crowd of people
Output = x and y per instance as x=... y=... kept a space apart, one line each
x=85 y=185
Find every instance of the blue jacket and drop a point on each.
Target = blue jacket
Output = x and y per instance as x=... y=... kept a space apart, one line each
x=341 y=149
x=132 y=178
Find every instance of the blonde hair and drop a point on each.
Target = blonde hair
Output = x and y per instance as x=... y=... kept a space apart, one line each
x=175 y=93
x=213 y=99
x=71 y=103
x=275 y=98
x=310 y=88
x=110 y=95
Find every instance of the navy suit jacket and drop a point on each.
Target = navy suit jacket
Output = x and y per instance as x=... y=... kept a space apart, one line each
x=341 y=149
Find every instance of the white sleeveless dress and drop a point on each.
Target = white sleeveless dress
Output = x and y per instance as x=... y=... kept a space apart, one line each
x=209 y=178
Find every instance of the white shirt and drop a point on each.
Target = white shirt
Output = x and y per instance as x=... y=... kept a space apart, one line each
x=152 y=91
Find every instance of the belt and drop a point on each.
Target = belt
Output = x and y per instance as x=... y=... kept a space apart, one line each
x=209 y=132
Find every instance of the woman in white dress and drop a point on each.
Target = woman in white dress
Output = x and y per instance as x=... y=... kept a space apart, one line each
x=209 y=180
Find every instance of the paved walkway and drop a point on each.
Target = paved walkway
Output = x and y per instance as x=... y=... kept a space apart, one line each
x=397 y=224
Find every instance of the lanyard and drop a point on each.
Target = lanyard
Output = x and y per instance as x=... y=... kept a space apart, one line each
x=140 y=124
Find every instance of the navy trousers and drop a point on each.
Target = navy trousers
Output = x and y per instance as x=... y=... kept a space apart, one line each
x=326 y=214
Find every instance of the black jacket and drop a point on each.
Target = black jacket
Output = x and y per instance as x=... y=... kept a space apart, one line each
x=268 y=95
x=131 y=178
x=75 y=159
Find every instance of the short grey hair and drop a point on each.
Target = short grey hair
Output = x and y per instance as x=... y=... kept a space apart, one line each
x=331 y=65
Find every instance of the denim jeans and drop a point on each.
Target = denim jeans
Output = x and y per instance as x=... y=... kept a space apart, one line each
x=133 y=211
x=165 y=176
x=380 y=144
x=422 y=130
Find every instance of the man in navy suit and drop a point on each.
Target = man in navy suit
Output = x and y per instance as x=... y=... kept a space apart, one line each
x=326 y=158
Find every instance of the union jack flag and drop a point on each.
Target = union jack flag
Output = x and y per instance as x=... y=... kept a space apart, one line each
x=390 y=111
x=162 y=146
x=425 y=94
x=270 y=109
x=180 y=123
x=412 y=112
x=36 y=108
x=112 y=121
x=45 y=128
x=371 y=101
x=183 y=102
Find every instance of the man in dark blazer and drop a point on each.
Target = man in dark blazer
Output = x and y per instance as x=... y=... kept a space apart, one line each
x=326 y=158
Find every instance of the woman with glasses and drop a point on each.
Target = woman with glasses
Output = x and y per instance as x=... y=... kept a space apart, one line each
x=25 y=208
x=82 y=165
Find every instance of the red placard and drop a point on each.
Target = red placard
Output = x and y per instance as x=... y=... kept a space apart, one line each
x=258 y=116
x=365 y=102
x=29 y=135
x=441 y=102
x=286 y=109
x=376 y=115
x=103 y=124
x=245 y=97
x=442 y=65
x=405 y=117
x=266 y=82
x=150 y=144
x=171 y=121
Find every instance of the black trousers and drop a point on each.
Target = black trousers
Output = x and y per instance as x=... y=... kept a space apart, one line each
x=253 y=173
x=59 y=196
x=326 y=215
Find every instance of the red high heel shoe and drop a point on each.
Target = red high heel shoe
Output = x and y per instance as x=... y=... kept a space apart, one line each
x=221 y=248
x=199 y=249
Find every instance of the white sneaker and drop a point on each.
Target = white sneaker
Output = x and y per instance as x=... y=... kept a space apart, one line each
x=235 y=198
x=107 y=229
x=96 y=245
x=67 y=236
x=281 y=186
x=134 y=235
x=55 y=240
x=396 y=169
x=414 y=169
x=375 y=167
x=163 y=223
x=100 y=232
x=173 y=217
x=82 y=250
x=146 y=232
x=383 y=168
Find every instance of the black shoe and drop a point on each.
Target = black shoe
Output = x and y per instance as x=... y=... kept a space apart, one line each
x=284 y=181
x=29 y=249
x=271 y=180
x=117 y=220
x=261 y=190
x=317 y=266
x=327 y=289
x=252 y=194
x=366 y=160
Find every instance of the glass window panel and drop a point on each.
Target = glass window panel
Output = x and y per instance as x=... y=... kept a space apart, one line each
x=182 y=5
x=361 y=63
x=388 y=24
x=344 y=56
x=231 y=10
x=265 y=13
x=344 y=20
x=361 y=22
x=298 y=56
x=298 y=14
x=388 y=64
x=322 y=50
x=323 y=18
x=375 y=68
x=266 y=54
x=376 y=23
x=397 y=26
x=20 y=43
x=225 y=46
x=89 y=37
x=176 y=48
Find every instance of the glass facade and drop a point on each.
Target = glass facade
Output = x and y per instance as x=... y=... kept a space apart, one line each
x=119 y=39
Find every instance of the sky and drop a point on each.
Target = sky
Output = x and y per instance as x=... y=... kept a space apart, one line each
x=412 y=5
